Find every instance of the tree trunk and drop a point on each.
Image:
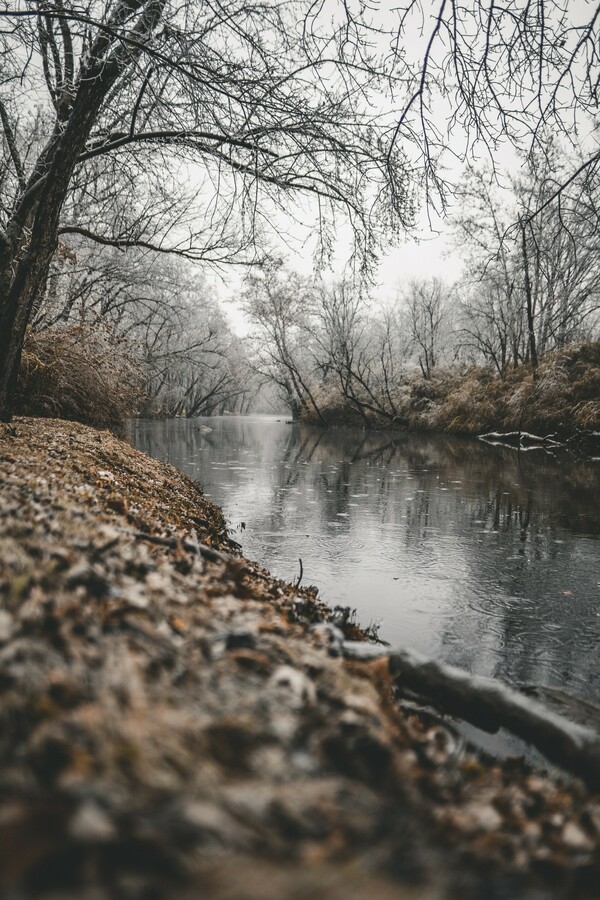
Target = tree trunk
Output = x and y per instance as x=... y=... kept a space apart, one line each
x=529 y=306
x=25 y=264
x=14 y=316
x=27 y=247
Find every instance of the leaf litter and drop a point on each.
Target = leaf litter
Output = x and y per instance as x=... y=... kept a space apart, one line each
x=174 y=721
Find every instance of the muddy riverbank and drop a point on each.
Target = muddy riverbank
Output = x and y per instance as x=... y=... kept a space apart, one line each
x=175 y=720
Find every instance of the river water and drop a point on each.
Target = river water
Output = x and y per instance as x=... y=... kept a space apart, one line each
x=476 y=555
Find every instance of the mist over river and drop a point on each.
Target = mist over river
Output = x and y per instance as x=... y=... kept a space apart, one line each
x=477 y=555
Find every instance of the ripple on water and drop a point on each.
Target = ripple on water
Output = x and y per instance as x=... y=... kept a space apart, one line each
x=499 y=605
x=498 y=574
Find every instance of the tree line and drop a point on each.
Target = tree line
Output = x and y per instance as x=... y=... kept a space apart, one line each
x=159 y=313
x=156 y=129
x=530 y=285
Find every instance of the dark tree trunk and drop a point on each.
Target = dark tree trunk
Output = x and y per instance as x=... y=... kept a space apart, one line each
x=27 y=247
x=532 y=346
x=25 y=268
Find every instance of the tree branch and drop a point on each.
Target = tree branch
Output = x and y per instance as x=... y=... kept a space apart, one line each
x=490 y=704
x=12 y=146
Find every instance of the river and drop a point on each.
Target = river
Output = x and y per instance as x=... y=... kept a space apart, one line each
x=476 y=555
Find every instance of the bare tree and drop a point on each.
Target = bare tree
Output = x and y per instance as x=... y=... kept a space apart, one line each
x=268 y=100
x=427 y=302
x=491 y=330
x=265 y=107
x=279 y=303
x=194 y=364
x=517 y=69
x=533 y=279
x=560 y=242
x=392 y=344
x=160 y=312
x=361 y=350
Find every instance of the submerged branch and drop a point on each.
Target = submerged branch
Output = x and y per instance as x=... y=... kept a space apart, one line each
x=489 y=704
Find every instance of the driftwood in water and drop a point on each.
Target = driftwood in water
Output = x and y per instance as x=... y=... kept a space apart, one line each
x=521 y=440
x=490 y=705
x=584 y=443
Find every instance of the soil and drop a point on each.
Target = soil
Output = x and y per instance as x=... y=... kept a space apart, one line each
x=174 y=722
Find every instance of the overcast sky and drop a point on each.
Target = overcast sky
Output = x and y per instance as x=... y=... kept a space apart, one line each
x=432 y=254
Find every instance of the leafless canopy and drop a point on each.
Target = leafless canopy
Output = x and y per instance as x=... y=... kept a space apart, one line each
x=261 y=98
x=219 y=111
x=488 y=70
x=203 y=119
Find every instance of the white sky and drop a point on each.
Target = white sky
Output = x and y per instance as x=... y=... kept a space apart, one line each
x=433 y=255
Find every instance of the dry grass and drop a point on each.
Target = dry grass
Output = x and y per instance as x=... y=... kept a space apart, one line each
x=79 y=373
x=563 y=398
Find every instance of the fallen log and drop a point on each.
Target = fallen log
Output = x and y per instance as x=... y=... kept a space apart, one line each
x=521 y=440
x=490 y=704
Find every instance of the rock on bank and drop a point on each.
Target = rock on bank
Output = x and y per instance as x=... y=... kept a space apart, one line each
x=173 y=723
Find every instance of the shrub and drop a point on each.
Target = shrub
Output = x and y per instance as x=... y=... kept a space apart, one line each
x=81 y=373
x=564 y=397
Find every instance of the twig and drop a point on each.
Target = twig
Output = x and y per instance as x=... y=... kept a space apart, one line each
x=300 y=575
x=200 y=549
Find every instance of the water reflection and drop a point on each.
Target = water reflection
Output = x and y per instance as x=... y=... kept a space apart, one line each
x=483 y=557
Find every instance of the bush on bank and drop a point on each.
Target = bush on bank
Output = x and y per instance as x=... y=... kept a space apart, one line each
x=86 y=374
x=79 y=373
x=563 y=396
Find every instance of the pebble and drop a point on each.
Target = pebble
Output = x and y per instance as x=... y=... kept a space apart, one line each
x=6 y=625
x=575 y=838
x=90 y=824
x=299 y=684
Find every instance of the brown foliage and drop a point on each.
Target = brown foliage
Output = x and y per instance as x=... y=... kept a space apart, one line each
x=563 y=398
x=79 y=373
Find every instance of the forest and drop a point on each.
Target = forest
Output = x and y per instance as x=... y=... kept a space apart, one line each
x=168 y=177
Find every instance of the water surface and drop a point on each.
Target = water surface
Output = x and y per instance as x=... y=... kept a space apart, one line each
x=477 y=555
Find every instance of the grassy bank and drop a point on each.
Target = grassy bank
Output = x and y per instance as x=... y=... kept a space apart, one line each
x=561 y=397
x=177 y=723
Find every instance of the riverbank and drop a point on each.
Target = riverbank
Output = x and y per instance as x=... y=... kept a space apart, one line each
x=175 y=720
x=562 y=398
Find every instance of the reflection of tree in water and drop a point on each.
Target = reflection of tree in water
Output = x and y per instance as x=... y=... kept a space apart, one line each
x=536 y=506
x=542 y=634
x=507 y=491
x=515 y=525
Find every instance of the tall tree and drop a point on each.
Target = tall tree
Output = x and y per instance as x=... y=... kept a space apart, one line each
x=427 y=302
x=532 y=275
x=279 y=304
x=269 y=99
x=487 y=70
